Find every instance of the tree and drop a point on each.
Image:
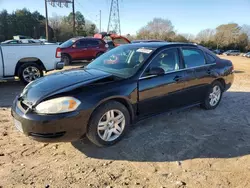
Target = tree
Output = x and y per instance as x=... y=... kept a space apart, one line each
x=246 y=29
x=4 y=17
x=180 y=38
x=205 y=35
x=158 y=28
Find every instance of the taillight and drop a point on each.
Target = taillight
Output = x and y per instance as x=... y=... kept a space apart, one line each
x=58 y=53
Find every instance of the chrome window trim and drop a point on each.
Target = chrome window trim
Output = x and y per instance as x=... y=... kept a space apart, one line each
x=149 y=76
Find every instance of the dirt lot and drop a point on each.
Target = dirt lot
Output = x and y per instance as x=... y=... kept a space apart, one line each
x=193 y=148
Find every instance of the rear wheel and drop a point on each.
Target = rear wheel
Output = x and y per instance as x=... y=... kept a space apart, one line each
x=29 y=72
x=66 y=59
x=108 y=124
x=213 y=96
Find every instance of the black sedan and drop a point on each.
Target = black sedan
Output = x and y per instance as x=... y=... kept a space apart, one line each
x=122 y=86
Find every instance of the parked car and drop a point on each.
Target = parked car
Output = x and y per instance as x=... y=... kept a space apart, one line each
x=218 y=51
x=12 y=42
x=248 y=54
x=86 y=48
x=124 y=85
x=245 y=54
x=27 y=61
x=22 y=41
x=232 y=52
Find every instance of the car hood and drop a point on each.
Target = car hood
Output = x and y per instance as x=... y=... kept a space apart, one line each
x=59 y=82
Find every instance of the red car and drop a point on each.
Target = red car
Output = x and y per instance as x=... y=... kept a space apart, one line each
x=87 y=48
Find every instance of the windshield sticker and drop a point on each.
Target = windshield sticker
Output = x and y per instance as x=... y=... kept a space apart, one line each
x=144 y=50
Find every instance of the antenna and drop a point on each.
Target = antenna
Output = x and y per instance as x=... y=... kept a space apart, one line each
x=114 y=18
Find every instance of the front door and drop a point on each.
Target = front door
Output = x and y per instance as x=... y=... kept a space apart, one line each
x=164 y=92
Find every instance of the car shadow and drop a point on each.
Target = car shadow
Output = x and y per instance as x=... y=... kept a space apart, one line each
x=8 y=91
x=239 y=71
x=192 y=133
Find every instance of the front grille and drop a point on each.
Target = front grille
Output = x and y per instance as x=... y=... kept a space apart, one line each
x=24 y=106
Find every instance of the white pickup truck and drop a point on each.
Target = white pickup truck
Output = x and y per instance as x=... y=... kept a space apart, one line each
x=28 y=61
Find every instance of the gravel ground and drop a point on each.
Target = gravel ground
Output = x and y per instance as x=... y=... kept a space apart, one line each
x=192 y=148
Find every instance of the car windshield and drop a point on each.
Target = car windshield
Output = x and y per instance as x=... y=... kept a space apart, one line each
x=67 y=43
x=123 y=61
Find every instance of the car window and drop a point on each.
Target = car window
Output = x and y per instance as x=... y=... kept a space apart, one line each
x=86 y=43
x=193 y=58
x=211 y=59
x=168 y=60
x=92 y=43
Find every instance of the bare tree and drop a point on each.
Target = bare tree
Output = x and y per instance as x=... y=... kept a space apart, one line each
x=246 y=29
x=158 y=28
x=55 y=23
x=205 y=35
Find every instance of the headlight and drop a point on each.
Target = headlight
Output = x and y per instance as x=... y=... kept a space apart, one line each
x=58 y=105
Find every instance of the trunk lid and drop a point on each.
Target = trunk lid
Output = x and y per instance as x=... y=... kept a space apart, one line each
x=116 y=39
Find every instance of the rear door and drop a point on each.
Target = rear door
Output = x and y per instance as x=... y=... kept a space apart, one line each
x=93 y=48
x=199 y=73
x=80 y=50
x=164 y=92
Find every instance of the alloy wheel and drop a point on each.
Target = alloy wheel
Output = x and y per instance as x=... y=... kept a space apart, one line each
x=215 y=95
x=31 y=73
x=111 y=125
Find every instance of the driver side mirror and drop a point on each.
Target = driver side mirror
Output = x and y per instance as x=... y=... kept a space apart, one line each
x=156 y=71
x=74 y=46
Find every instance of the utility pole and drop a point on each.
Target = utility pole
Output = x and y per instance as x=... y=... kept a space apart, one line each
x=74 y=19
x=100 y=21
x=47 y=21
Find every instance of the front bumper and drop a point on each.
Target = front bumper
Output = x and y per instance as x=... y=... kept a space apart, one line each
x=65 y=127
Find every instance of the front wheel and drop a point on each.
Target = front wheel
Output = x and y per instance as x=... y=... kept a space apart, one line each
x=213 y=96
x=108 y=124
x=29 y=72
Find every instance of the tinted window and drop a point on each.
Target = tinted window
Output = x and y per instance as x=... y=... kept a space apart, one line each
x=93 y=43
x=86 y=43
x=193 y=58
x=67 y=43
x=211 y=59
x=167 y=60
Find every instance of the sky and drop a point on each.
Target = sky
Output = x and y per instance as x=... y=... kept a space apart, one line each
x=187 y=16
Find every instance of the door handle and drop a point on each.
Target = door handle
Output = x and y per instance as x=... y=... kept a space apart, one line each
x=177 y=78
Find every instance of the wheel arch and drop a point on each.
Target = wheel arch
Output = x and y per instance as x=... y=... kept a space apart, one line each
x=29 y=60
x=123 y=100
x=222 y=81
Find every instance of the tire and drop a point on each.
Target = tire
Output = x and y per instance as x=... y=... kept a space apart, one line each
x=208 y=104
x=98 y=121
x=29 y=72
x=99 y=54
x=66 y=59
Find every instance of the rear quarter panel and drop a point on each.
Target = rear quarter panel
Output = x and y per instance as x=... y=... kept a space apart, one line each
x=14 y=53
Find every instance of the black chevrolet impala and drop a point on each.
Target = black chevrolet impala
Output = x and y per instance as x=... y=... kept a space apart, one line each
x=120 y=87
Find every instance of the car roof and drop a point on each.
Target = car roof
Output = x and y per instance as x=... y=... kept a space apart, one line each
x=161 y=44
